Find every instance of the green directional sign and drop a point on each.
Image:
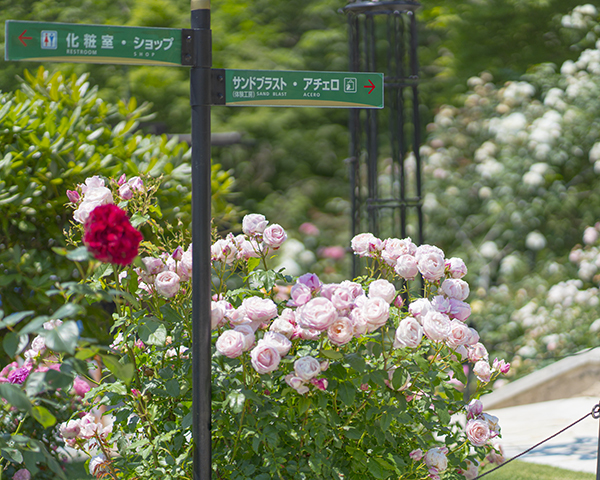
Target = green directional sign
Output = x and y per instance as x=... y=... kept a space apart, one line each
x=67 y=42
x=303 y=89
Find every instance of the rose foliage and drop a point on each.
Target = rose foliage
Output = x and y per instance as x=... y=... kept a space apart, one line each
x=359 y=379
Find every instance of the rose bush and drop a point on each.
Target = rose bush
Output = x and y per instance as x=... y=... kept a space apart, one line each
x=360 y=378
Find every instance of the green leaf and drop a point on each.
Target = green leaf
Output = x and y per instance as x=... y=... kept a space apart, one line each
x=138 y=220
x=356 y=362
x=304 y=404
x=386 y=420
x=80 y=254
x=399 y=378
x=15 y=397
x=332 y=354
x=15 y=318
x=43 y=416
x=12 y=455
x=86 y=353
x=35 y=325
x=121 y=371
x=13 y=343
x=67 y=310
x=376 y=470
x=172 y=387
x=63 y=338
x=152 y=332
x=253 y=262
x=236 y=401
x=347 y=393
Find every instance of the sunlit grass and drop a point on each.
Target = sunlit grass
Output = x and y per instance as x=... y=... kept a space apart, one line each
x=532 y=471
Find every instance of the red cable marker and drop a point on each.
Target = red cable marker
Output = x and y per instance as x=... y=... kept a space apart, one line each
x=22 y=38
x=372 y=87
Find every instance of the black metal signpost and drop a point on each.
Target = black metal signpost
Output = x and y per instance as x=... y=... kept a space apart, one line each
x=75 y=43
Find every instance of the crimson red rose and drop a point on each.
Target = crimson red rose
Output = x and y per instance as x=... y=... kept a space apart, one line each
x=109 y=236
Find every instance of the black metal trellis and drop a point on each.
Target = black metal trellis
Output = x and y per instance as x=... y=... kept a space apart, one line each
x=385 y=165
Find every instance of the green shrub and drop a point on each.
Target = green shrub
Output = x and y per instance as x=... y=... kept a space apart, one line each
x=55 y=132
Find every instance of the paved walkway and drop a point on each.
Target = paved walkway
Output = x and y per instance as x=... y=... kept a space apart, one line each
x=526 y=425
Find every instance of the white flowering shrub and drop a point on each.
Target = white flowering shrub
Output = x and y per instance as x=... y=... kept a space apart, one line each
x=514 y=174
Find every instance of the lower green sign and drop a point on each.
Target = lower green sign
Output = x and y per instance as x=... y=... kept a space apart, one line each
x=69 y=42
x=303 y=89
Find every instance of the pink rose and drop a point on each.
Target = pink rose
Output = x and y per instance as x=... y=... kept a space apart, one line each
x=436 y=326
x=296 y=383
x=478 y=432
x=184 y=266
x=245 y=248
x=342 y=299
x=317 y=314
x=69 y=429
x=223 y=250
x=474 y=408
x=416 y=455
x=300 y=295
x=376 y=312
x=455 y=288
x=459 y=310
x=431 y=265
x=408 y=334
x=419 y=308
x=477 y=352
x=366 y=245
x=92 y=182
x=471 y=472
x=493 y=423
x=359 y=322
x=482 y=371
x=320 y=383
x=249 y=338
x=307 y=368
x=474 y=338
x=406 y=267
x=254 y=224
x=83 y=211
x=80 y=386
x=278 y=341
x=311 y=281
x=383 y=289
x=436 y=458
x=264 y=358
x=88 y=426
x=355 y=288
x=394 y=248
x=283 y=326
x=136 y=183
x=260 y=310
x=167 y=284
x=274 y=236
x=441 y=304
x=501 y=366
x=456 y=267
x=217 y=313
x=230 y=343
x=341 y=331
x=125 y=192
x=460 y=334
x=73 y=196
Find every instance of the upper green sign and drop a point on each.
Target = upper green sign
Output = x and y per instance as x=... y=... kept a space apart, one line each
x=303 y=89
x=67 y=42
